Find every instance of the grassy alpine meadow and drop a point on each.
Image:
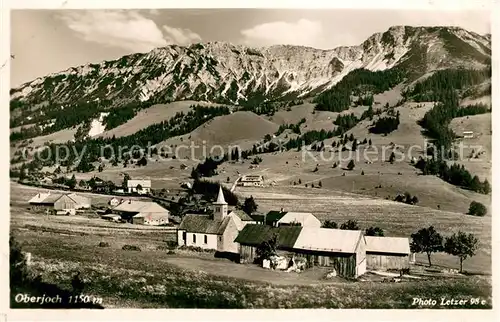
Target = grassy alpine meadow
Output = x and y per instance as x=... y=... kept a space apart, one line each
x=157 y=277
x=150 y=279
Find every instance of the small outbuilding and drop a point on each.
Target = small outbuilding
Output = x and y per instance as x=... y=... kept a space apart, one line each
x=386 y=253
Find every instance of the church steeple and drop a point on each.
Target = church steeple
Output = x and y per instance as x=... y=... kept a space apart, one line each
x=220 y=206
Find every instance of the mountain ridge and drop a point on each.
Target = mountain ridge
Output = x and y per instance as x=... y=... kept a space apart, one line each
x=227 y=73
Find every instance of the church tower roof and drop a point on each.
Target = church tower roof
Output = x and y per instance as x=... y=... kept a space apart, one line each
x=220 y=198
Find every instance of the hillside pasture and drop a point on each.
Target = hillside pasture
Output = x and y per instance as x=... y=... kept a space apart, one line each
x=152 y=115
x=396 y=219
x=481 y=143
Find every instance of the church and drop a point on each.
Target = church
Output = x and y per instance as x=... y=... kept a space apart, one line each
x=217 y=231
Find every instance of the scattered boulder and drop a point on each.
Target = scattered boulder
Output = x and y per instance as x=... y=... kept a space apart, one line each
x=131 y=248
x=104 y=244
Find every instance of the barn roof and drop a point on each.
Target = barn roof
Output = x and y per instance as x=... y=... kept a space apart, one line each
x=79 y=198
x=274 y=215
x=242 y=215
x=254 y=235
x=396 y=245
x=38 y=198
x=139 y=206
x=203 y=224
x=152 y=215
x=328 y=240
x=52 y=198
x=257 y=217
x=292 y=216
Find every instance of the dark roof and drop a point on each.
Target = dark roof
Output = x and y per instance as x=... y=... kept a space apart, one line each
x=203 y=224
x=242 y=215
x=258 y=217
x=254 y=235
x=274 y=215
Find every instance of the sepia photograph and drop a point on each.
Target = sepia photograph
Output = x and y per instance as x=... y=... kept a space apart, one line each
x=250 y=158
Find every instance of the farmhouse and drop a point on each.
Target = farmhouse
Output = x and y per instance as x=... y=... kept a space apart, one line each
x=468 y=134
x=215 y=232
x=289 y=218
x=387 y=252
x=344 y=250
x=251 y=181
x=113 y=202
x=61 y=202
x=142 y=212
x=139 y=186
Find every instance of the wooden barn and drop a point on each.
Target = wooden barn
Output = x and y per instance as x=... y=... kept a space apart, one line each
x=343 y=250
x=385 y=253
x=252 y=235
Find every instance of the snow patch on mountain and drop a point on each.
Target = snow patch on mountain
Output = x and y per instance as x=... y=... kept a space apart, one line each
x=96 y=126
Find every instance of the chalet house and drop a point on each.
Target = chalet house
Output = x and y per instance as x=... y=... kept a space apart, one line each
x=387 y=253
x=139 y=186
x=215 y=232
x=142 y=212
x=289 y=218
x=468 y=134
x=61 y=202
x=113 y=202
x=344 y=250
x=251 y=181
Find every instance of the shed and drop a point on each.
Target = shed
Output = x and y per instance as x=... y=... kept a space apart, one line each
x=252 y=235
x=344 y=250
x=387 y=253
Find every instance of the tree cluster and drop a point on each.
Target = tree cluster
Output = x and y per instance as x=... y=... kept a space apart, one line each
x=358 y=82
x=385 y=125
x=429 y=241
x=406 y=198
x=455 y=174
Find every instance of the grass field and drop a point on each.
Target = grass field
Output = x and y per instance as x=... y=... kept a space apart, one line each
x=396 y=219
x=155 y=278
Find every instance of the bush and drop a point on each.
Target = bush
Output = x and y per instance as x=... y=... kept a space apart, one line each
x=171 y=244
x=197 y=249
x=104 y=244
x=131 y=247
x=477 y=209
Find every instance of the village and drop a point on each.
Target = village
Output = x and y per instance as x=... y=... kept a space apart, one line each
x=282 y=240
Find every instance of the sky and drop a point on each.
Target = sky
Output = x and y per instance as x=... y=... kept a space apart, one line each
x=49 y=41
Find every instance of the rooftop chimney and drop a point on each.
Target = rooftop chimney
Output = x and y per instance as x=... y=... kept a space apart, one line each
x=282 y=209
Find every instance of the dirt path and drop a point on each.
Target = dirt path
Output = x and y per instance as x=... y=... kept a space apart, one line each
x=252 y=272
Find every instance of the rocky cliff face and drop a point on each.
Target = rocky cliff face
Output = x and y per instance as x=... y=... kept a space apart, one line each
x=230 y=73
